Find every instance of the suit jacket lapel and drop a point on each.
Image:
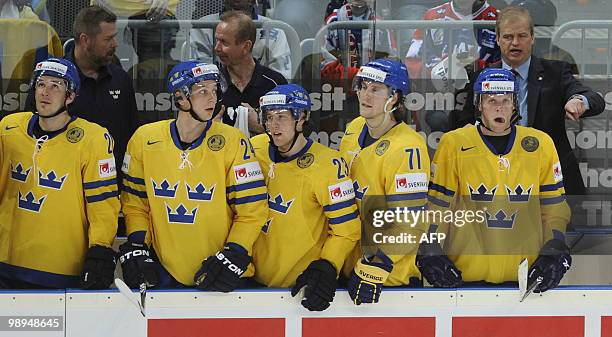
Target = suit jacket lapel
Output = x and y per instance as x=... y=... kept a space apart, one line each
x=534 y=84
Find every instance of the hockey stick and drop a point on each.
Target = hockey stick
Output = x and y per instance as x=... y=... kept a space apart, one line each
x=526 y=288
x=133 y=298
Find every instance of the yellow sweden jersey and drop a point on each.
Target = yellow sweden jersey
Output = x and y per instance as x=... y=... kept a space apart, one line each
x=520 y=192
x=395 y=167
x=58 y=197
x=313 y=214
x=192 y=202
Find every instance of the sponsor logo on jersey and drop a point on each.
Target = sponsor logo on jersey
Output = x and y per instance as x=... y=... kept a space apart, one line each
x=247 y=172
x=106 y=168
x=125 y=167
x=557 y=174
x=341 y=192
x=411 y=182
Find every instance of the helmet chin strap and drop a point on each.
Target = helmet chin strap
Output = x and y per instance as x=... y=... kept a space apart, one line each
x=57 y=112
x=514 y=119
x=194 y=115
x=386 y=115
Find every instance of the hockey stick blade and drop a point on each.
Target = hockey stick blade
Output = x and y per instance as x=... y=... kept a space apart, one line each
x=133 y=298
x=531 y=288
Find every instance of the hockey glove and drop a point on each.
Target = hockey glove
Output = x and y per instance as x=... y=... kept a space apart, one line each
x=436 y=267
x=137 y=265
x=99 y=268
x=320 y=281
x=367 y=279
x=550 y=266
x=222 y=271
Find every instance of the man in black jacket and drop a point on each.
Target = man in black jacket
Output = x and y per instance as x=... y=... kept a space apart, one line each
x=548 y=92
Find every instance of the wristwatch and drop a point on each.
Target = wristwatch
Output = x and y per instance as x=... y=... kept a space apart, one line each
x=580 y=97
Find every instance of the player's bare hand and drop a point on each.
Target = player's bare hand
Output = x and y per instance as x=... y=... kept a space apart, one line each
x=574 y=108
x=254 y=125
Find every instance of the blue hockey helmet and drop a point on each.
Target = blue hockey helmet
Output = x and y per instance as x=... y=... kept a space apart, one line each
x=185 y=74
x=389 y=72
x=495 y=81
x=287 y=96
x=60 y=68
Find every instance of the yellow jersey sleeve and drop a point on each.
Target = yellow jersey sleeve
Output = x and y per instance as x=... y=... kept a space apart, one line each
x=247 y=194
x=444 y=186
x=335 y=193
x=553 y=206
x=100 y=189
x=134 y=193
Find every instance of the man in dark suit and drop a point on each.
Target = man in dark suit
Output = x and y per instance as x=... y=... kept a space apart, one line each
x=548 y=92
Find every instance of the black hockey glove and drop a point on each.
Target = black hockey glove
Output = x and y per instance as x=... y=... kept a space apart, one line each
x=222 y=271
x=367 y=279
x=99 y=268
x=320 y=280
x=436 y=267
x=550 y=266
x=137 y=265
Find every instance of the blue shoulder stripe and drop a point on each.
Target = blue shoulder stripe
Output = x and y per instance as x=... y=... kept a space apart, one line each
x=406 y=196
x=248 y=199
x=442 y=189
x=102 y=196
x=340 y=205
x=438 y=202
x=134 y=180
x=551 y=187
x=140 y=194
x=344 y=218
x=99 y=183
x=246 y=186
x=552 y=201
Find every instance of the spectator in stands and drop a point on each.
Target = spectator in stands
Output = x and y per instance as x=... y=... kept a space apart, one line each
x=410 y=10
x=16 y=9
x=548 y=92
x=431 y=57
x=107 y=95
x=247 y=80
x=270 y=49
x=334 y=69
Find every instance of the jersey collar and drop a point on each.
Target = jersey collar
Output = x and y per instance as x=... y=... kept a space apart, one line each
x=277 y=158
x=35 y=119
x=177 y=141
x=492 y=148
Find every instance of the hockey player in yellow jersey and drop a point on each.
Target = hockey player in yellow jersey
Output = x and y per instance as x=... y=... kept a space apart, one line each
x=193 y=192
x=313 y=222
x=512 y=176
x=58 y=192
x=389 y=165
